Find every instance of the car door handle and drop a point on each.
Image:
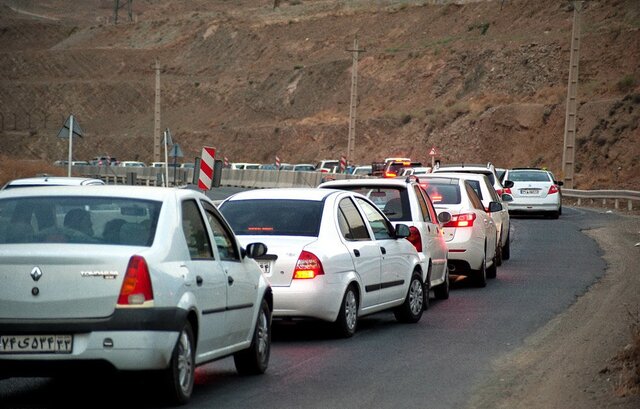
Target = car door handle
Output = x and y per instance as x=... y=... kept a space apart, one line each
x=230 y=280
x=383 y=250
x=356 y=252
x=199 y=281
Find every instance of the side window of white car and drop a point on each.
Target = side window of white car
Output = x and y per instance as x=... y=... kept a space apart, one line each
x=350 y=221
x=381 y=228
x=221 y=235
x=424 y=210
x=195 y=232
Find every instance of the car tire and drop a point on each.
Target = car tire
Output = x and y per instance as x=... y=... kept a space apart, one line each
x=506 y=250
x=347 y=321
x=480 y=276
x=411 y=309
x=178 y=378
x=441 y=292
x=255 y=359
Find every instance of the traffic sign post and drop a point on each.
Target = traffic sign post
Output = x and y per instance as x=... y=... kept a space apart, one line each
x=206 y=167
x=73 y=129
x=176 y=152
x=343 y=164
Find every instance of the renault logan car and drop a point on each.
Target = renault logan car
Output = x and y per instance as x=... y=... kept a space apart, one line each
x=128 y=278
x=333 y=255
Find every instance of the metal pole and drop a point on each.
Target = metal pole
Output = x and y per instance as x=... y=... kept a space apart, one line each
x=156 y=128
x=70 y=145
x=166 y=161
x=354 y=100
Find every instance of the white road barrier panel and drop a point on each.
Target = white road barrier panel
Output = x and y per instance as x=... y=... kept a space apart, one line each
x=206 y=167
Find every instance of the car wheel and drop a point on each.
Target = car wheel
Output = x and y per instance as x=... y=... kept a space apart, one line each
x=441 y=292
x=480 y=276
x=506 y=250
x=255 y=359
x=493 y=270
x=411 y=310
x=347 y=321
x=179 y=376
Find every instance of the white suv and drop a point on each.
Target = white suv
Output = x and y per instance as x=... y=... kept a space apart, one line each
x=402 y=200
x=487 y=169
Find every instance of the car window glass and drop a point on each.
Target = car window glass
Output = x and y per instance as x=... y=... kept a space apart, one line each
x=424 y=210
x=274 y=217
x=441 y=193
x=432 y=212
x=350 y=222
x=528 y=176
x=475 y=184
x=473 y=197
x=392 y=201
x=195 y=231
x=381 y=229
x=492 y=192
x=222 y=237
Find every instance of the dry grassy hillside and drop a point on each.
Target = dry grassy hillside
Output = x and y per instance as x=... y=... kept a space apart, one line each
x=480 y=80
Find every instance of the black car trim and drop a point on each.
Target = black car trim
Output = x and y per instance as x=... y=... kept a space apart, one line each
x=229 y=308
x=380 y=286
x=122 y=319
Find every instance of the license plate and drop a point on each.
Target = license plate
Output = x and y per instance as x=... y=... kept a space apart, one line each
x=265 y=266
x=33 y=344
x=529 y=191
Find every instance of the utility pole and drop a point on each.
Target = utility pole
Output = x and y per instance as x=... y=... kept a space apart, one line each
x=117 y=6
x=351 y=142
x=156 y=128
x=569 y=150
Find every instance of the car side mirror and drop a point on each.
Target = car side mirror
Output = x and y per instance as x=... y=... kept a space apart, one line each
x=255 y=250
x=494 y=207
x=506 y=197
x=559 y=182
x=444 y=217
x=402 y=231
x=508 y=184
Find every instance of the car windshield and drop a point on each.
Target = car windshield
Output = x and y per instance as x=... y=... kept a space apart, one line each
x=528 y=176
x=274 y=217
x=441 y=193
x=392 y=201
x=81 y=220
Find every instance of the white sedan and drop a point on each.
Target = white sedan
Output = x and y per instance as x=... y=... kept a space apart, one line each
x=333 y=255
x=471 y=234
x=129 y=278
x=534 y=191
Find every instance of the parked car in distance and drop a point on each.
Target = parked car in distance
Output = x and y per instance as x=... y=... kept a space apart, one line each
x=534 y=191
x=327 y=165
x=187 y=165
x=393 y=168
x=244 y=165
x=471 y=233
x=52 y=181
x=418 y=170
x=362 y=170
x=402 y=200
x=304 y=167
x=79 y=163
x=132 y=164
x=333 y=255
x=162 y=165
x=131 y=278
x=487 y=194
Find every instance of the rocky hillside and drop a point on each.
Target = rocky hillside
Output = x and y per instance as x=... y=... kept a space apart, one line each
x=479 y=80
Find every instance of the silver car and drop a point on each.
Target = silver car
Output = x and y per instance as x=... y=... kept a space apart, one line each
x=129 y=278
x=333 y=255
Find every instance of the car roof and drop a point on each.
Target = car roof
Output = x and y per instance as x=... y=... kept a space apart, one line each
x=136 y=192
x=287 y=193
x=397 y=182
x=54 y=181
x=463 y=175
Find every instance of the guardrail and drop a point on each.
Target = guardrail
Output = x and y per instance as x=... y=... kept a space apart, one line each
x=615 y=195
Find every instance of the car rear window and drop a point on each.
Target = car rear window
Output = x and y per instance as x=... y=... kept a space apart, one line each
x=393 y=201
x=442 y=193
x=274 y=217
x=528 y=176
x=81 y=220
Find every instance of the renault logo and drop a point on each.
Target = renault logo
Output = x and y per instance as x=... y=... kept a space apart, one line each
x=36 y=273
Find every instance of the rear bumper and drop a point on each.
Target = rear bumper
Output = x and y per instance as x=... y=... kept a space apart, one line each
x=316 y=298
x=533 y=207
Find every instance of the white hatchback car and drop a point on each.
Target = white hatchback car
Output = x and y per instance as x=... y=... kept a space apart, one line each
x=128 y=278
x=402 y=200
x=534 y=191
x=471 y=234
x=333 y=255
x=487 y=194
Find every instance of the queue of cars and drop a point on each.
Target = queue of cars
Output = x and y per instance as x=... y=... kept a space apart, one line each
x=140 y=278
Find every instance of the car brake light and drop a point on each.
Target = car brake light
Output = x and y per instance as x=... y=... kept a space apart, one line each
x=136 y=286
x=415 y=238
x=552 y=189
x=500 y=192
x=506 y=190
x=390 y=174
x=308 y=266
x=461 y=220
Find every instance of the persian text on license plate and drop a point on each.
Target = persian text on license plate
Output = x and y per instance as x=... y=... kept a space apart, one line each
x=265 y=266
x=26 y=344
x=529 y=191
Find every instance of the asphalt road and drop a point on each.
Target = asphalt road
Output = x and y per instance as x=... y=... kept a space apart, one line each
x=435 y=363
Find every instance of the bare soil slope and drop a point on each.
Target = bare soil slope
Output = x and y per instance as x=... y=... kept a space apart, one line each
x=479 y=80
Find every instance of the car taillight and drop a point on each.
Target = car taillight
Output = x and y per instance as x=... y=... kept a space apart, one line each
x=307 y=266
x=415 y=238
x=552 y=189
x=500 y=192
x=462 y=220
x=505 y=190
x=390 y=174
x=136 y=287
